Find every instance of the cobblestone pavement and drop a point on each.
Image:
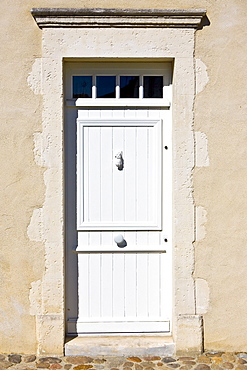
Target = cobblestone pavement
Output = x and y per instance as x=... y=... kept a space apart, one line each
x=206 y=361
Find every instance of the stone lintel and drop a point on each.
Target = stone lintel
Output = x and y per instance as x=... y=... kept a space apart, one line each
x=96 y=17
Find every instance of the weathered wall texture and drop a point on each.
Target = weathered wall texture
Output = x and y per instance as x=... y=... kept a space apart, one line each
x=219 y=176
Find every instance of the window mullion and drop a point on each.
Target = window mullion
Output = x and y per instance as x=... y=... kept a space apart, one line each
x=94 y=87
x=117 y=86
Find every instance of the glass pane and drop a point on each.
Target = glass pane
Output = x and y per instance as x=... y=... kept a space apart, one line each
x=82 y=86
x=106 y=86
x=153 y=86
x=129 y=86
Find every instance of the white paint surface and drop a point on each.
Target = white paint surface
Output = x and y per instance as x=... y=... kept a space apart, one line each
x=123 y=292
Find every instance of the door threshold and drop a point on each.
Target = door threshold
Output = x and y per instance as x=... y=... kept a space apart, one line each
x=120 y=345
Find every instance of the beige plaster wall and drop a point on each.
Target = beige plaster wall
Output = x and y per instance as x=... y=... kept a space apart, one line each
x=219 y=176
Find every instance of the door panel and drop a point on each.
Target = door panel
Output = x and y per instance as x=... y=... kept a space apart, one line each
x=123 y=292
x=123 y=198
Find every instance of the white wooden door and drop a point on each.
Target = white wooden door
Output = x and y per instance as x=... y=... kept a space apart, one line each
x=119 y=248
x=124 y=284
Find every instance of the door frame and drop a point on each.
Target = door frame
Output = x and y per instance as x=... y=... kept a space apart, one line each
x=164 y=203
x=152 y=35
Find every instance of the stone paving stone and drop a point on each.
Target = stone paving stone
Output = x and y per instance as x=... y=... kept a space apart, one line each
x=15 y=359
x=5 y=364
x=99 y=360
x=67 y=367
x=242 y=361
x=115 y=362
x=42 y=365
x=147 y=363
x=185 y=367
x=189 y=362
x=216 y=367
x=50 y=360
x=241 y=354
x=185 y=358
x=138 y=367
x=134 y=359
x=76 y=360
x=173 y=365
x=228 y=357
x=152 y=358
x=227 y=365
x=55 y=366
x=30 y=358
x=168 y=359
x=202 y=367
x=204 y=359
x=128 y=364
x=217 y=359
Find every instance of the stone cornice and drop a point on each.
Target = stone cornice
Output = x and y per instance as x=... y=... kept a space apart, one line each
x=82 y=17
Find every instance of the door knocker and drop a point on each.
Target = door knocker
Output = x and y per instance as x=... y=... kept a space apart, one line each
x=119 y=162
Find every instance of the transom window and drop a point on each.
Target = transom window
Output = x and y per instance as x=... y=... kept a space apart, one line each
x=118 y=86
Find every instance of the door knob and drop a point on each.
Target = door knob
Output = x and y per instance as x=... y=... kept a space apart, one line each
x=120 y=241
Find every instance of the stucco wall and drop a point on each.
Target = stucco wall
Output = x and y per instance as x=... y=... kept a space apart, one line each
x=219 y=176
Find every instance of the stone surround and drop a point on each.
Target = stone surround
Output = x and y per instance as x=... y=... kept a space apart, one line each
x=206 y=361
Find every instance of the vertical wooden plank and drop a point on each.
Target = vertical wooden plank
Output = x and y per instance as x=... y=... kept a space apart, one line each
x=152 y=175
x=83 y=285
x=154 y=285
x=107 y=238
x=118 y=113
x=130 y=174
x=118 y=284
x=141 y=238
x=83 y=113
x=95 y=284
x=165 y=285
x=83 y=172
x=94 y=113
x=130 y=285
x=107 y=285
x=107 y=162
x=142 y=193
x=130 y=113
x=130 y=237
x=92 y=174
x=106 y=113
x=142 y=286
x=118 y=176
x=94 y=238
x=83 y=238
